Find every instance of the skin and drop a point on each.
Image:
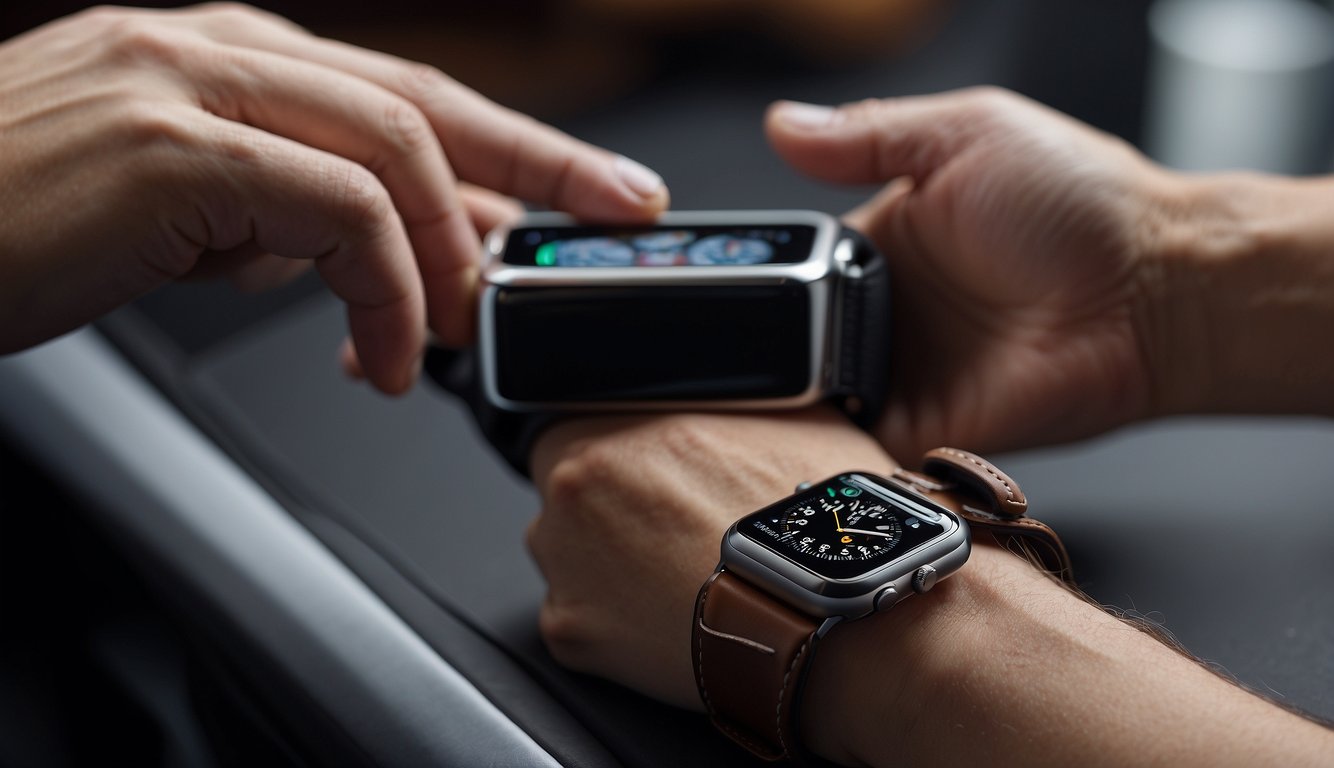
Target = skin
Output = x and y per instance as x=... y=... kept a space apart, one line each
x=142 y=146
x=1051 y=283
x=1008 y=667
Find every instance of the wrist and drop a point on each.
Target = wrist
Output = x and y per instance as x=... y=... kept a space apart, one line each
x=1235 y=272
x=1001 y=665
x=875 y=682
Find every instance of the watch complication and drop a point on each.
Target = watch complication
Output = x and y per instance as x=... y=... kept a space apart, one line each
x=837 y=551
x=709 y=309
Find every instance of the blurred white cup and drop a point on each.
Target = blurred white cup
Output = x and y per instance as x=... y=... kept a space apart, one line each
x=1241 y=84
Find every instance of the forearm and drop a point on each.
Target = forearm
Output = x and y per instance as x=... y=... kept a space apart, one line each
x=1000 y=666
x=1238 y=287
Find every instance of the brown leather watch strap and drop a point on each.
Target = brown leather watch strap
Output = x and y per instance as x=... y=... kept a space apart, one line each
x=750 y=655
x=751 y=651
x=991 y=502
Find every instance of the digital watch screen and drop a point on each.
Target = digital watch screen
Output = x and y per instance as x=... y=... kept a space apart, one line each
x=659 y=246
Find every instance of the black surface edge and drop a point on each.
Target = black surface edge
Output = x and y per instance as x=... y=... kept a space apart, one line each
x=261 y=682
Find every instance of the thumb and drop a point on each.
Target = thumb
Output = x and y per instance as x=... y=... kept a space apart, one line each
x=877 y=140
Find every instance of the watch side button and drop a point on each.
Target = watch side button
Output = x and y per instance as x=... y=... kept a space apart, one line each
x=924 y=579
x=886 y=599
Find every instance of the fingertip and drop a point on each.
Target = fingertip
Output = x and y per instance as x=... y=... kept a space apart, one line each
x=641 y=187
x=453 y=308
x=400 y=381
x=349 y=362
x=389 y=343
x=819 y=141
x=799 y=118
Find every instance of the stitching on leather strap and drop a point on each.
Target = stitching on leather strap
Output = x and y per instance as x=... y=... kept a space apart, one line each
x=745 y=641
x=750 y=742
x=1009 y=492
x=782 y=694
x=699 y=653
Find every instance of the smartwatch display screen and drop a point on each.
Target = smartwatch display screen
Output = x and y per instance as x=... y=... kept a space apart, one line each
x=844 y=527
x=659 y=246
x=628 y=343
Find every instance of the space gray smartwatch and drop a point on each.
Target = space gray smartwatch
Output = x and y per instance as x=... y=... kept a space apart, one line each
x=837 y=551
x=705 y=310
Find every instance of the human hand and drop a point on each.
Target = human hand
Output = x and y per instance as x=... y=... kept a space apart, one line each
x=634 y=512
x=140 y=146
x=635 y=508
x=1021 y=245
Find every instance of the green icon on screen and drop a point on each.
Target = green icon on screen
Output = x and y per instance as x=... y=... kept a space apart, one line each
x=852 y=491
x=546 y=254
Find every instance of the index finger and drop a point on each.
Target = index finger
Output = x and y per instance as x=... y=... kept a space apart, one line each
x=486 y=144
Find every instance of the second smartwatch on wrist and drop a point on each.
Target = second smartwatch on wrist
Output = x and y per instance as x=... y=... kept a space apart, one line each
x=700 y=310
x=836 y=551
x=714 y=310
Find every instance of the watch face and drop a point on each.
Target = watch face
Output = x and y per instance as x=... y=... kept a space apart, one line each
x=845 y=527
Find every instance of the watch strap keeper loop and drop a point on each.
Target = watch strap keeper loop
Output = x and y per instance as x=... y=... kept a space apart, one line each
x=991 y=502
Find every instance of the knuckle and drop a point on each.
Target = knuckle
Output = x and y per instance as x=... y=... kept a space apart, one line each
x=564 y=634
x=588 y=466
x=568 y=483
x=864 y=111
x=230 y=13
x=136 y=40
x=144 y=123
x=406 y=128
x=104 y=15
x=989 y=101
x=356 y=197
x=423 y=83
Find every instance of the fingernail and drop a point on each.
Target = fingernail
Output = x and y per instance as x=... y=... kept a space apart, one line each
x=807 y=117
x=640 y=179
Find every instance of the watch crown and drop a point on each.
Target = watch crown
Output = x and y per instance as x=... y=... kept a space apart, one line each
x=924 y=579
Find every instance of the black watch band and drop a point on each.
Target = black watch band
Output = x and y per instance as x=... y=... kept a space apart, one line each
x=859 y=382
x=512 y=434
x=861 y=378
